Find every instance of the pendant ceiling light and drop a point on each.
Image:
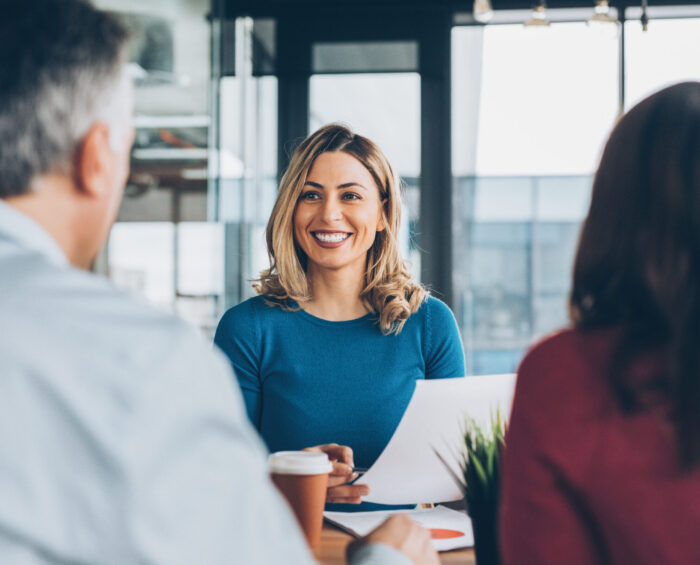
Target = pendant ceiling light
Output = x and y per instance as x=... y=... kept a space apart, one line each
x=483 y=11
x=601 y=20
x=539 y=16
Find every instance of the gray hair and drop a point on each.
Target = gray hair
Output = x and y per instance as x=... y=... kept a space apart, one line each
x=61 y=71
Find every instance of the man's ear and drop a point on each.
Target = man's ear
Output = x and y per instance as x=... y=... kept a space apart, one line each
x=93 y=166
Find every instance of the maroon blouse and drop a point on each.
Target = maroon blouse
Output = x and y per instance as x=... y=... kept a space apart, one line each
x=584 y=483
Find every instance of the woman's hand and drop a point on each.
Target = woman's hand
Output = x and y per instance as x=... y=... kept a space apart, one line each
x=338 y=489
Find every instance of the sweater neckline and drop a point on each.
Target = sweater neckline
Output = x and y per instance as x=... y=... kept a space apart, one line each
x=333 y=323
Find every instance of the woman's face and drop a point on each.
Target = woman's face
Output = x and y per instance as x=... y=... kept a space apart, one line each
x=338 y=214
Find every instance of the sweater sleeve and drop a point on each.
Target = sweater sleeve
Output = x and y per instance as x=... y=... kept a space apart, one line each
x=444 y=353
x=544 y=518
x=238 y=337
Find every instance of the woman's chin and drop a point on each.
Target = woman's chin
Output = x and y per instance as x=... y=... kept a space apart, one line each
x=335 y=264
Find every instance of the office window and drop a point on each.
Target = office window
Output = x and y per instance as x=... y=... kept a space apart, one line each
x=142 y=260
x=247 y=169
x=531 y=110
x=150 y=250
x=667 y=53
x=199 y=273
x=177 y=267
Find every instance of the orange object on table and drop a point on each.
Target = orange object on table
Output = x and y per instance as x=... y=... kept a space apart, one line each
x=334 y=542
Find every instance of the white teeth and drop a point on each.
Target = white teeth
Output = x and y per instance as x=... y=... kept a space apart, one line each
x=331 y=237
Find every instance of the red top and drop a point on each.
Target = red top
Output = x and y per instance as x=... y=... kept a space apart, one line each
x=584 y=483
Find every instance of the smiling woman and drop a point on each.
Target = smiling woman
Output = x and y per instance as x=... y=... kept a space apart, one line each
x=331 y=349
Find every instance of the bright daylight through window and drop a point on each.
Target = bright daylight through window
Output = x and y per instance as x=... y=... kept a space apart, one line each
x=531 y=109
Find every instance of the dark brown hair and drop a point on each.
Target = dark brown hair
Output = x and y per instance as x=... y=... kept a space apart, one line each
x=638 y=260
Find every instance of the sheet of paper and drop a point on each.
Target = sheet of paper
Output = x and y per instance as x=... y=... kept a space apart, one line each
x=360 y=524
x=408 y=471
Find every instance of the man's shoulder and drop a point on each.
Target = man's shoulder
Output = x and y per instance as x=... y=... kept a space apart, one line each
x=63 y=306
x=97 y=297
x=73 y=331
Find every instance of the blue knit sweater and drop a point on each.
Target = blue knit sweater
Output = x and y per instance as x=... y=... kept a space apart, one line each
x=308 y=381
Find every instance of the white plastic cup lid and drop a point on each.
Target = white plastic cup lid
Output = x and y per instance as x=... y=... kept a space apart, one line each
x=299 y=463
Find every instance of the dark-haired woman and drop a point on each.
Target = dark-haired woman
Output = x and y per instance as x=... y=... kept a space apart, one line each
x=602 y=461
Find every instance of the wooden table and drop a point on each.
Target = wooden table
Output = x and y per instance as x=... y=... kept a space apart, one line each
x=334 y=541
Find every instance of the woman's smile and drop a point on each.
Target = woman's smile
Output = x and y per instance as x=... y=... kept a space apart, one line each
x=331 y=238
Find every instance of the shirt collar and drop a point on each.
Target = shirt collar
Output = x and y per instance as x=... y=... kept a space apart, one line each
x=28 y=233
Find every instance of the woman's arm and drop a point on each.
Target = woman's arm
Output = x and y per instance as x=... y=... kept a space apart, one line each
x=443 y=344
x=238 y=337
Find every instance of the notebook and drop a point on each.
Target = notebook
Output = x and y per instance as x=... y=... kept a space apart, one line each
x=450 y=529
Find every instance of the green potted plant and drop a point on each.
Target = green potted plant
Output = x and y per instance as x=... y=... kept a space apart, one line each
x=481 y=465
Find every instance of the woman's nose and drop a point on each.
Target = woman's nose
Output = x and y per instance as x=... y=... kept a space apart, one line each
x=332 y=210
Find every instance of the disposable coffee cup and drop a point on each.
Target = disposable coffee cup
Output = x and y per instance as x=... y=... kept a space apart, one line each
x=302 y=478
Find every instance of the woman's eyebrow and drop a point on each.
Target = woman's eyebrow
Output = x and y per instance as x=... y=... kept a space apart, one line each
x=351 y=184
x=344 y=185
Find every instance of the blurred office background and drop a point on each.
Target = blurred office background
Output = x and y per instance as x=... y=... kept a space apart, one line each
x=495 y=129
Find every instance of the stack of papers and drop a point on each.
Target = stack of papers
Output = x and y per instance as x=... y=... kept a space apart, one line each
x=450 y=529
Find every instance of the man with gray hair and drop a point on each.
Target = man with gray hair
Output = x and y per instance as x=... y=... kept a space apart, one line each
x=123 y=438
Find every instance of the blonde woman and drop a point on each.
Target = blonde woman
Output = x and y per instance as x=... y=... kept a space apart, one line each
x=331 y=348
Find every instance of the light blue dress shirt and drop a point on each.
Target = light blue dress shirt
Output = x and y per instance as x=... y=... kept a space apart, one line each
x=123 y=437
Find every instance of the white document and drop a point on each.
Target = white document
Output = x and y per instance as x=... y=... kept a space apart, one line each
x=408 y=471
x=440 y=521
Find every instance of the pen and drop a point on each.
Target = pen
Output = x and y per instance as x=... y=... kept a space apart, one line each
x=360 y=470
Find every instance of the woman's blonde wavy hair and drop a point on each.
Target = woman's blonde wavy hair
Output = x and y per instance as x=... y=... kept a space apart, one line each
x=389 y=290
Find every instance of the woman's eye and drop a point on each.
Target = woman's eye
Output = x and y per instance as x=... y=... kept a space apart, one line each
x=351 y=196
x=309 y=196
